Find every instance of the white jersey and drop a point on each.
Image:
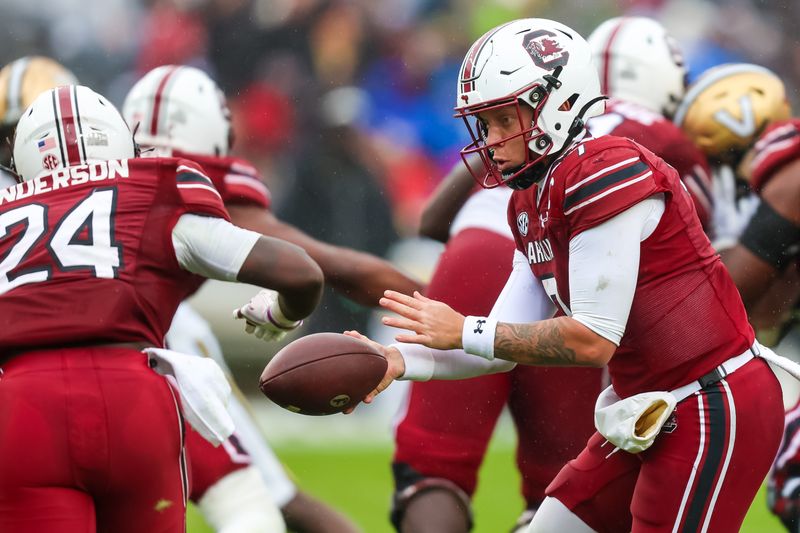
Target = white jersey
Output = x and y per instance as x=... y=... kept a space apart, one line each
x=486 y=209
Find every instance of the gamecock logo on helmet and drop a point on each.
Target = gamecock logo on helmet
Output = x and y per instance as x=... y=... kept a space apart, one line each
x=545 y=50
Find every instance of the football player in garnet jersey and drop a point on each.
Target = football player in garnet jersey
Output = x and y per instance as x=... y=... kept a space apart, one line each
x=179 y=110
x=739 y=115
x=21 y=81
x=643 y=72
x=613 y=237
x=98 y=249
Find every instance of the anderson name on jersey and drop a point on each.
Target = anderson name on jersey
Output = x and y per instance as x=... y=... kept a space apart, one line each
x=681 y=280
x=88 y=251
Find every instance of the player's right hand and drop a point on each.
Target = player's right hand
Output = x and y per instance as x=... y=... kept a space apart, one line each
x=264 y=317
x=396 y=366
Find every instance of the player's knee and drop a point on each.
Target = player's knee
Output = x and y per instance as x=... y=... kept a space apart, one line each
x=428 y=505
x=241 y=503
x=553 y=515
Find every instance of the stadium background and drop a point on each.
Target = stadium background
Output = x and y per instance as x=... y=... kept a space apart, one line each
x=345 y=105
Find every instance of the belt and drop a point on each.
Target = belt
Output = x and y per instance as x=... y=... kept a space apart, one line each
x=728 y=367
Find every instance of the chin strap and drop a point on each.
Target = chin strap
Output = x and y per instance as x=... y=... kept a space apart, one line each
x=578 y=124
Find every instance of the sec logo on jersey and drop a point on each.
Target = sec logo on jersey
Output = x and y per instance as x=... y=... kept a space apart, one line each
x=522 y=223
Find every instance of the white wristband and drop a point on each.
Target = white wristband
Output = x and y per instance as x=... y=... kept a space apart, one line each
x=278 y=319
x=477 y=336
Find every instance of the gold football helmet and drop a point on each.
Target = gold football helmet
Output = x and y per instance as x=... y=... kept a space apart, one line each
x=21 y=81
x=727 y=108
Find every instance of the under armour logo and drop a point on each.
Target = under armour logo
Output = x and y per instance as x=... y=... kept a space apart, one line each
x=479 y=329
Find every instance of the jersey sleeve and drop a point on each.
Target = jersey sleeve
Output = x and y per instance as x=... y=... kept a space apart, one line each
x=243 y=186
x=778 y=146
x=197 y=191
x=605 y=184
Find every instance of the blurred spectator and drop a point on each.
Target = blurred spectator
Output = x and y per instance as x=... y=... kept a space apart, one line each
x=336 y=198
x=171 y=35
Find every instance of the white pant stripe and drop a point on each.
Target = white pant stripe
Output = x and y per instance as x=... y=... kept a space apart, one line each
x=731 y=440
x=696 y=465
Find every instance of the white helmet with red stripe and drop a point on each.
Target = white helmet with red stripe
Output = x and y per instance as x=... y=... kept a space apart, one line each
x=535 y=62
x=639 y=62
x=179 y=108
x=68 y=126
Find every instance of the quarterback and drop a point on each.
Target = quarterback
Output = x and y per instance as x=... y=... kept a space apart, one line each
x=688 y=429
x=642 y=71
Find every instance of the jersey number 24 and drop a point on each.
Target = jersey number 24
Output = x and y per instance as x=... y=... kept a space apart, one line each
x=93 y=215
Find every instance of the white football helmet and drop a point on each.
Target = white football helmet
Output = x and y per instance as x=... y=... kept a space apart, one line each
x=535 y=62
x=68 y=126
x=638 y=61
x=179 y=108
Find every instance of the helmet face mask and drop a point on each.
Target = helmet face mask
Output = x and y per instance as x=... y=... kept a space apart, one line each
x=490 y=176
x=538 y=63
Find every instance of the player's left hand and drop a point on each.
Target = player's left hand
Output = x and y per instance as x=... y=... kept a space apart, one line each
x=264 y=317
x=435 y=324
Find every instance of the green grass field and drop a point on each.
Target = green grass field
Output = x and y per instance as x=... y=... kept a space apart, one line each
x=358 y=482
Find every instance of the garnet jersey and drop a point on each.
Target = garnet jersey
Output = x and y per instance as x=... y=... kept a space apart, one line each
x=238 y=182
x=86 y=253
x=686 y=317
x=665 y=139
x=777 y=146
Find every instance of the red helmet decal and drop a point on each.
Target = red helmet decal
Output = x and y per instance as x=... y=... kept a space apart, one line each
x=545 y=50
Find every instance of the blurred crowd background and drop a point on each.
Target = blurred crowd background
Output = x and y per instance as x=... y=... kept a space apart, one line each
x=346 y=105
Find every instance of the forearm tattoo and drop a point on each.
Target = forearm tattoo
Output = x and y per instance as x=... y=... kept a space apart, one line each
x=533 y=344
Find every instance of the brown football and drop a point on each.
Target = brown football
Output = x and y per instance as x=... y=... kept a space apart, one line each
x=322 y=374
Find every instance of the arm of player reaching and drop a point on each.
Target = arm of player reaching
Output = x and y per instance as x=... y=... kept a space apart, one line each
x=357 y=275
x=522 y=299
x=446 y=201
x=770 y=240
x=604 y=262
x=215 y=248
